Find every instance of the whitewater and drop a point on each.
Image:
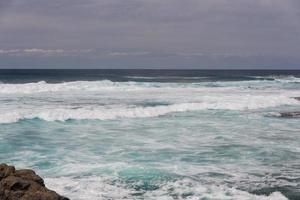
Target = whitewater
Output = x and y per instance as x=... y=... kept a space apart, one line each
x=81 y=99
x=155 y=136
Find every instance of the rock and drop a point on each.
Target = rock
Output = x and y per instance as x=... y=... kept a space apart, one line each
x=295 y=114
x=24 y=184
x=297 y=98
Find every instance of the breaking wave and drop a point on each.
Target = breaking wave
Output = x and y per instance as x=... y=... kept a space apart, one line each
x=107 y=100
x=118 y=112
x=102 y=188
x=43 y=86
x=107 y=85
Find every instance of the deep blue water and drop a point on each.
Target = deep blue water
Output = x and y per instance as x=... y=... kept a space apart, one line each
x=63 y=75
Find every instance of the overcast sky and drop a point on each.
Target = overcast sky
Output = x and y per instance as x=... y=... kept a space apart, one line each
x=150 y=34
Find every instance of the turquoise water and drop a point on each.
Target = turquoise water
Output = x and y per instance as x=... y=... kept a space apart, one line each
x=103 y=139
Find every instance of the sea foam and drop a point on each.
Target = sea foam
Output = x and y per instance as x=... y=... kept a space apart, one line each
x=104 y=188
x=107 y=85
x=107 y=100
x=103 y=113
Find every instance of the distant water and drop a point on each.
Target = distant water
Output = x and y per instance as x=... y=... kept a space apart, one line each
x=154 y=134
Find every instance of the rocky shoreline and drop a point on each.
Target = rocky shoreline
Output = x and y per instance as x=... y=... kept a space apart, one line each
x=24 y=184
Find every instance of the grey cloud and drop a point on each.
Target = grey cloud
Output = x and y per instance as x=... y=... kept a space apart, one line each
x=161 y=31
x=44 y=52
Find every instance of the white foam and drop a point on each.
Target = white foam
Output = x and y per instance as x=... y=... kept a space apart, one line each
x=104 y=85
x=104 y=188
x=107 y=100
x=278 y=78
x=42 y=86
x=51 y=113
x=287 y=79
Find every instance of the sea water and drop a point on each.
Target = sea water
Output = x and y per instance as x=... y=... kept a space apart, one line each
x=154 y=134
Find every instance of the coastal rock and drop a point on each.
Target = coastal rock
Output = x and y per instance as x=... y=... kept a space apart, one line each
x=295 y=114
x=297 y=98
x=24 y=184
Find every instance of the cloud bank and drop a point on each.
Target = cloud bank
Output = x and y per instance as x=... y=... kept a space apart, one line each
x=150 y=33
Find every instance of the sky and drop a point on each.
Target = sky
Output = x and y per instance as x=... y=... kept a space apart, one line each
x=185 y=34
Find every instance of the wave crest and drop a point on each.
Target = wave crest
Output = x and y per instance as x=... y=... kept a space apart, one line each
x=107 y=85
x=105 y=113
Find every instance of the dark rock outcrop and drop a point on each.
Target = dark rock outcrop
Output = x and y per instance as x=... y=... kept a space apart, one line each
x=24 y=185
x=295 y=114
x=297 y=98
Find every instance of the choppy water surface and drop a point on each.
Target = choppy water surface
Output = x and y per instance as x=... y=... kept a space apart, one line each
x=154 y=134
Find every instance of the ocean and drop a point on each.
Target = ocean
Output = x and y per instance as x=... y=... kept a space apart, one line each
x=154 y=134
